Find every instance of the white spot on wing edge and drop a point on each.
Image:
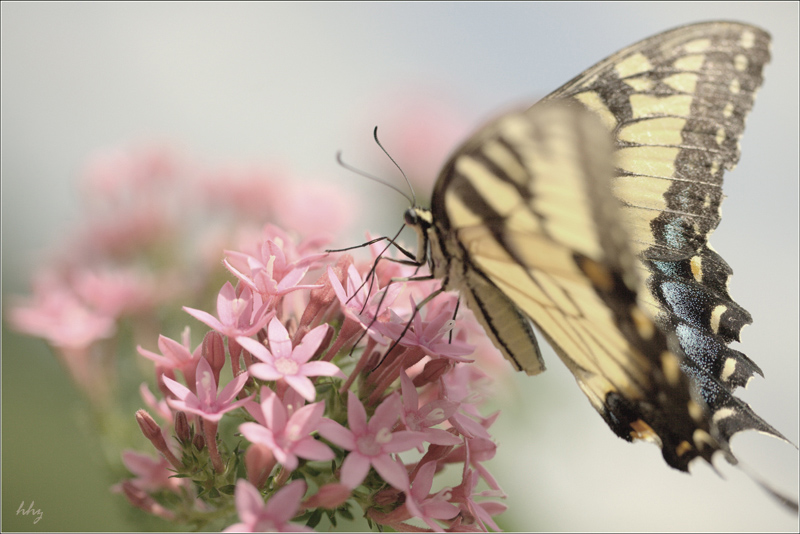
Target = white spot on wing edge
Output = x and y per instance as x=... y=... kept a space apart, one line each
x=728 y=369
x=716 y=315
x=748 y=39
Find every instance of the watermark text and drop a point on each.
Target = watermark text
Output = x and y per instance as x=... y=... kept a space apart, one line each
x=36 y=513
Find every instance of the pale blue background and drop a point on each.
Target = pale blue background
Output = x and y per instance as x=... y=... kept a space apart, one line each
x=290 y=83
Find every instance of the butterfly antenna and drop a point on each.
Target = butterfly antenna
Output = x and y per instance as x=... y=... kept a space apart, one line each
x=369 y=176
x=408 y=182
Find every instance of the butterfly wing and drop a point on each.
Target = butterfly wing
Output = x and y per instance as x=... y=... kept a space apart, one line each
x=676 y=104
x=549 y=236
x=622 y=286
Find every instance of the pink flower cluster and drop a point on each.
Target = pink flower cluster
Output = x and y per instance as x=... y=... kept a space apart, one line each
x=320 y=386
x=337 y=379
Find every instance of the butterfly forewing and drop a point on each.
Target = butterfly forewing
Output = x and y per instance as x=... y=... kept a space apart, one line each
x=571 y=271
x=590 y=214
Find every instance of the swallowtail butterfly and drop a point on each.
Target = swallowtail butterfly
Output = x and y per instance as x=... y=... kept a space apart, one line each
x=588 y=214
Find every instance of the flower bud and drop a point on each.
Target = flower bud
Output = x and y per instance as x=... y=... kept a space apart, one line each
x=214 y=352
x=329 y=496
x=432 y=371
x=259 y=462
x=182 y=428
x=152 y=431
x=140 y=499
x=148 y=425
x=389 y=497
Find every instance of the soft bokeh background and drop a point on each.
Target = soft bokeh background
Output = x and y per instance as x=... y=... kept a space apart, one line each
x=290 y=84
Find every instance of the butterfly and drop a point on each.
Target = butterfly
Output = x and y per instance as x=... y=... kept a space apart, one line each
x=588 y=215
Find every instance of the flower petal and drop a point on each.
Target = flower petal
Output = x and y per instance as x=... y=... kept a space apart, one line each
x=423 y=481
x=284 y=504
x=386 y=413
x=255 y=433
x=302 y=385
x=354 y=469
x=309 y=344
x=403 y=441
x=177 y=388
x=205 y=317
x=410 y=395
x=279 y=343
x=232 y=388
x=311 y=449
x=437 y=509
x=322 y=369
x=274 y=411
x=249 y=502
x=391 y=471
x=307 y=418
x=356 y=415
x=337 y=434
x=264 y=371
x=256 y=349
x=437 y=436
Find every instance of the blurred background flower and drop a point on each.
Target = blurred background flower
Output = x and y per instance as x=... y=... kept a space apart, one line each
x=270 y=92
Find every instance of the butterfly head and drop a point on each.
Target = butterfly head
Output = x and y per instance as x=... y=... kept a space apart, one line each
x=421 y=221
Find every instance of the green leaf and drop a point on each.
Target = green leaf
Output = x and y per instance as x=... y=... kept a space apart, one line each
x=315 y=518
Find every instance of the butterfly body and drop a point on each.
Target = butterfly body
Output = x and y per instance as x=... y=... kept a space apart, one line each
x=588 y=215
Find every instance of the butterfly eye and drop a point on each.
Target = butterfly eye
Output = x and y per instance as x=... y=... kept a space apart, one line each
x=411 y=218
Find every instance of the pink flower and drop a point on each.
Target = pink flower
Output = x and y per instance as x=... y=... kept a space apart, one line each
x=313 y=208
x=151 y=474
x=207 y=404
x=431 y=334
x=422 y=419
x=118 y=174
x=430 y=507
x=175 y=355
x=465 y=384
x=236 y=315
x=287 y=363
x=58 y=316
x=371 y=444
x=288 y=439
x=272 y=275
x=482 y=512
x=274 y=516
x=117 y=291
x=356 y=302
x=159 y=406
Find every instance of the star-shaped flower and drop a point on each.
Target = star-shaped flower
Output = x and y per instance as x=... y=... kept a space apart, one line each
x=288 y=437
x=422 y=419
x=236 y=316
x=206 y=403
x=272 y=516
x=282 y=362
x=372 y=443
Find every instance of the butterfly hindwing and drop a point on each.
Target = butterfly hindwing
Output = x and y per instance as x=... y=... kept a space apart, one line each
x=676 y=104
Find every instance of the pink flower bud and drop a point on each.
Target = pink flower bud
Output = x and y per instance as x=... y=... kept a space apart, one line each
x=140 y=499
x=152 y=431
x=259 y=462
x=432 y=371
x=329 y=496
x=214 y=352
x=149 y=427
x=182 y=428
x=199 y=442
